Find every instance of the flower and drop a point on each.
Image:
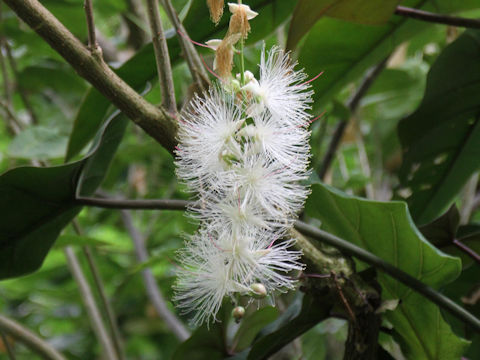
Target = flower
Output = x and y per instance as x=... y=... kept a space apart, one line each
x=235 y=8
x=281 y=89
x=243 y=153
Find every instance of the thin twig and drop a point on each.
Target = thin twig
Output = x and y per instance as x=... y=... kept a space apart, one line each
x=90 y=305
x=12 y=121
x=32 y=341
x=467 y=250
x=163 y=204
x=92 y=40
x=194 y=62
x=153 y=291
x=7 y=90
x=437 y=18
x=352 y=104
x=8 y=346
x=111 y=317
x=164 y=68
x=334 y=241
x=155 y=121
x=21 y=90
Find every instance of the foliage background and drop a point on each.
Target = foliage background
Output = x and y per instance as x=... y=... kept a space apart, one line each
x=429 y=86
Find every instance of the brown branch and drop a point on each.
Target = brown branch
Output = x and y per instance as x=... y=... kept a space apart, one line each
x=156 y=122
x=437 y=18
x=30 y=340
x=195 y=65
x=92 y=41
x=352 y=104
x=164 y=68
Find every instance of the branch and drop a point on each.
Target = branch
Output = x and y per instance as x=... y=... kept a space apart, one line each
x=437 y=18
x=470 y=252
x=154 y=204
x=153 y=292
x=21 y=90
x=90 y=305
x=156 y=122
x=32 y=341
x=194 y=62
x=92 y=41
x=110 y=314
x=423 y=289
x=164 y=68
x=320 y=235
x=352 y=104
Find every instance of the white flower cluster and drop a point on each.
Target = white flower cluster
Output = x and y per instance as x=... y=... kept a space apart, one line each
x=243 y=151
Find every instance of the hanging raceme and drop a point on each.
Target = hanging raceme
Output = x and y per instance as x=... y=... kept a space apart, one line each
x=243 y=151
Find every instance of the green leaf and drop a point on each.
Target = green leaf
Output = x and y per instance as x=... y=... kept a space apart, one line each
x=141 y=68
x=387 y=230
x=344 y=51
x=442 y=231
x=38 y=142
x=207 y=342
x=440 y=140
x=251 y=325
x=37 y=203
x=305 y=312
x=308 y=12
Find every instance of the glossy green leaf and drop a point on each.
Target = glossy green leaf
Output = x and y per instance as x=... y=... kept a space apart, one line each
x=308 y=12
x=440 y=140
x=207 y=342
x=387 y=230
x=141 y=67
x=344 y=50
x=37 y=203
x=303 y=313
x=251 y=325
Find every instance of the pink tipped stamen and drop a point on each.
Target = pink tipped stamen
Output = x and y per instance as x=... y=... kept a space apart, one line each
x=314 y=119
x=207 y=67
x=312 y=79
x=193 y=41
x=214 y=243
x=271 y=244
x=176 y=265
x=278 y=171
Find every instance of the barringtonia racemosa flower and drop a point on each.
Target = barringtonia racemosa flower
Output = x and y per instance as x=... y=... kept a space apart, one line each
x=281 y=89
x=244 y=153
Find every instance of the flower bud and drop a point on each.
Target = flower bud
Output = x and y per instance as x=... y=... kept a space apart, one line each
x=238 y=312
x=258 y=291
